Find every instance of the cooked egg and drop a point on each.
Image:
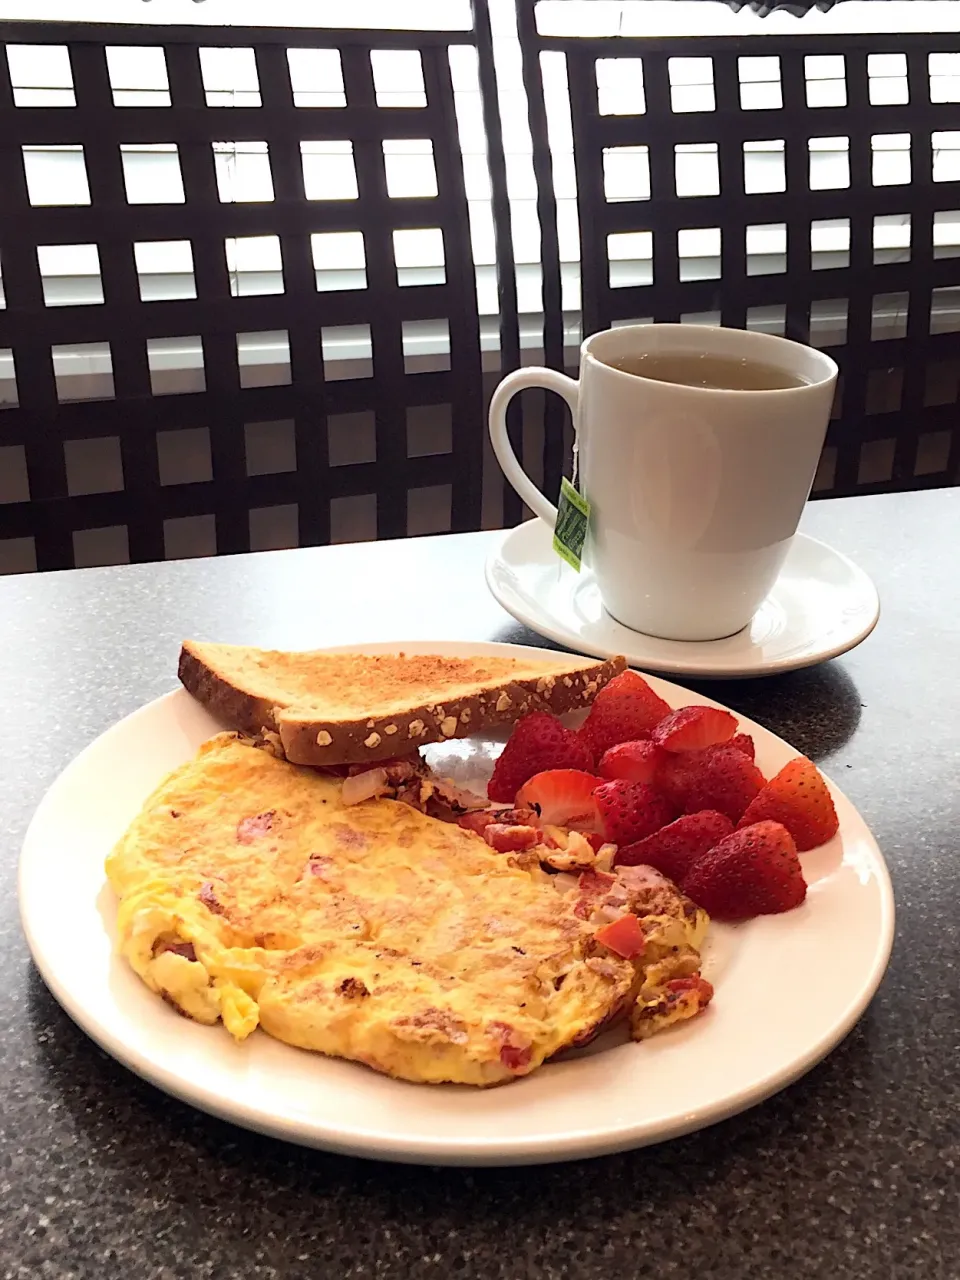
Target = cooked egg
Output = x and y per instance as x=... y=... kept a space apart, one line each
x=250 y=895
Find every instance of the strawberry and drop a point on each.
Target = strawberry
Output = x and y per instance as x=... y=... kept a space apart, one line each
x=693 y=728
x=539 y=741
x=754 y=872
x=631 y=810
x=636 y=761
x=624 y=710
x=743 y=742
x=798 y=798
x=675 y=848
x=564 y=798
x=720 y=777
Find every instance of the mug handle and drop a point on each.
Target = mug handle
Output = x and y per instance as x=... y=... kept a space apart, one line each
x=535 y=376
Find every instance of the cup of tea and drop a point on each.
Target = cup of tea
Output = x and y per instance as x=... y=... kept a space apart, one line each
x=697 y=448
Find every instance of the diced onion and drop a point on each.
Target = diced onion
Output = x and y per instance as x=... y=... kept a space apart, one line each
x=564 y=882
x=364 y=786
x=605 y=857
x=606 y=914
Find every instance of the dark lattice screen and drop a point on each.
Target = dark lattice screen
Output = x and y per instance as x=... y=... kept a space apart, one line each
x=778 y=184
x=276 y=343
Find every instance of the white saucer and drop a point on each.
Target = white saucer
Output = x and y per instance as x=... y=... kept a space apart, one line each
x=821 y=606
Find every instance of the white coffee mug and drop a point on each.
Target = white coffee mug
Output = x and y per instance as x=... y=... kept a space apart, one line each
x=696 y=492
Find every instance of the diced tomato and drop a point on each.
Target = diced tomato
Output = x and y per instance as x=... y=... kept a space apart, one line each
x=624 y=936
x=701 y=986
x=515 y=1057
x=477 y=821
x=592 y=884
x=253 y=828
x=515 y=1051
x=505 y=838
x=595 y=883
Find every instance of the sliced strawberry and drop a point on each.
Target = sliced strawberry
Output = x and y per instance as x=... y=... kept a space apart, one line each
x=721 y=778
x=564 y=798
x=635 y=761
x=630 y=811
x=506 y=838
x=743 y=742
x=693 y=728
x=675 y=848
x=753 y=872
x=623 y=937
x=538 y=742
x=798 y=798
x=623 y=711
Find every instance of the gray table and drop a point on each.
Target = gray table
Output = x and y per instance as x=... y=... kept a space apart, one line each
x=852 y=1172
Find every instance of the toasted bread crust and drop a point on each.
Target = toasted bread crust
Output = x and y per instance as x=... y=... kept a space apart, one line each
x=376 y=736
x=379 y=738
x=233 y=706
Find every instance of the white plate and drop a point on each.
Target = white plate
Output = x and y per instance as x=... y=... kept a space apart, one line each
x=788 y=988
x=822 y=605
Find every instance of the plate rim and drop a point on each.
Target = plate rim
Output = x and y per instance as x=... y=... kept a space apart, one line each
x=543 y=625
x=568 y=1143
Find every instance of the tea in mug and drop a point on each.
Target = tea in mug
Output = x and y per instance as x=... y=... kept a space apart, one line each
x=690 y=369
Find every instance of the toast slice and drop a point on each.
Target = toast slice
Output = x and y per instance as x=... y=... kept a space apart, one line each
x=351 y=708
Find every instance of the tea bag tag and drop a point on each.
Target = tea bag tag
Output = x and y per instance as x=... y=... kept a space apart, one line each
x=573 y=516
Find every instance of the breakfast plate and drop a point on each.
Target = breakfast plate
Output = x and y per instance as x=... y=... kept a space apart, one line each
x=788 y=988
x=821 y=605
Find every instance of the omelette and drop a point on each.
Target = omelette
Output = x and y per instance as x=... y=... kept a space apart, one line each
x=250 y=895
